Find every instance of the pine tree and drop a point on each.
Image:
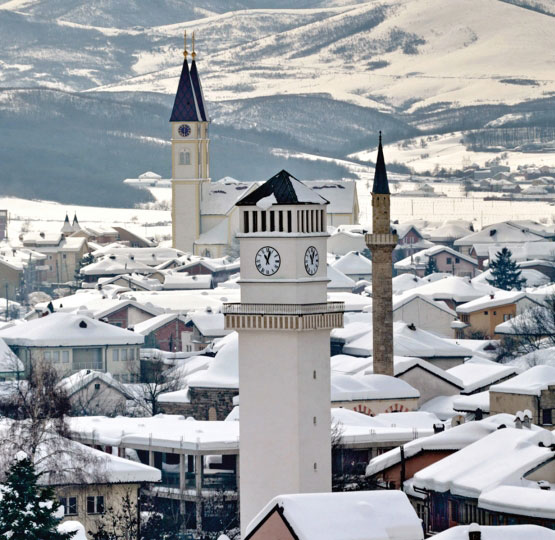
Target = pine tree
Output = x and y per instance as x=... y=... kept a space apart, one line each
x=431 y=267
x=505 y=273
x=27 y=512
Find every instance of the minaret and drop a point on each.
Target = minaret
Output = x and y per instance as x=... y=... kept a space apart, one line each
x=190 y=155
x=381 y=243
x=66 y=229
x=75 y=225
x=284 y=322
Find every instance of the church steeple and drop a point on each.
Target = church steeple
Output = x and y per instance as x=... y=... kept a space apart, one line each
x=381 y=185
x=185 y=106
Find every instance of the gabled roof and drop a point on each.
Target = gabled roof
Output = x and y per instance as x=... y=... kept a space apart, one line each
x=197 y=87
x=283 y=188
x=381 y=185
x=185 y=106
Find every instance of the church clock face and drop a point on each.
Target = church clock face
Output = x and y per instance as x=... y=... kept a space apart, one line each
x=267 y=261
x=184 y=130
x=311 y=260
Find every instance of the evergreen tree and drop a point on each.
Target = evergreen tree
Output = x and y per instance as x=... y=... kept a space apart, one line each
x=431 y=267
x=505 y=273
x=27 y=512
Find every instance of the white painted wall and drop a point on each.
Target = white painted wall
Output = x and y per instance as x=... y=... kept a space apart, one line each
x=425 y=316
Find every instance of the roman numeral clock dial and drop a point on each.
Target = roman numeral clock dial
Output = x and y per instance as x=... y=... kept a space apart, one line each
x=267 y=261
x=311 y=260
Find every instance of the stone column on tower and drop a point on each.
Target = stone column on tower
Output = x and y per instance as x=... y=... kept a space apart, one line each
x=381 y=243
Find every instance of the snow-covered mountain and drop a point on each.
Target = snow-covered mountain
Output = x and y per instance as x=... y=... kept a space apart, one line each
x=315 y=76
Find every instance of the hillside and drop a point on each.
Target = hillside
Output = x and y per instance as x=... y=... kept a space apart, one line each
x=86 y=87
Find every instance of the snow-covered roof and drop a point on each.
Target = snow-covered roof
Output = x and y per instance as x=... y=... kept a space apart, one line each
x=217 y=235
x=521 y=500
x=353 y=263
x=411 y=295
x=531 y=382
x=368 y=387
x=209 y=323
x=67 y=330
x=405 y=282
x=448 y=232
x=116 y=264
x=84 y=377
x=422 y=257
x=219 y=198
x=498 y=532
x=181 y=280
x=341 y=194
x=9 y=362
x=496 y=299
x=151 y=256
x=503 y=233
x=454 y=438
x=74 y=527
x=476 y=374
x=338 y=280
x=357 y=515
x=472 y=402
x=286 y=189
x=457 y=289
x=408 y=339
x=152 y=324
x=502 y=457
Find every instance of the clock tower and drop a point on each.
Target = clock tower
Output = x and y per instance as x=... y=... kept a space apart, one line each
x=284 y=323
x=190 y=155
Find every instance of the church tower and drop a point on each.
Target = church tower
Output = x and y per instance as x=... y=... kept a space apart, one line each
x=190 y=155
x=284 y=323
x=381 y=243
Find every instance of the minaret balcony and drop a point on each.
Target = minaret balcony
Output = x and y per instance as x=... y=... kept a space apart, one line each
x=381 y=240
x=321 y=316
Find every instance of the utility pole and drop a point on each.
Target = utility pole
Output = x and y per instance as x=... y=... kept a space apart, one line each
x=7 y=302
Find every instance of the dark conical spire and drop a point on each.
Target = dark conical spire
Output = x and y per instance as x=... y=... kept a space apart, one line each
x=381 y=185
x=198 y=90
x=185 y=107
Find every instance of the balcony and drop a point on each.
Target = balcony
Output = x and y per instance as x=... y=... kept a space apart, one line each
x=283 y=309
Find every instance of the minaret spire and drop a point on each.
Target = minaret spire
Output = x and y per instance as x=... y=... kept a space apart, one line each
x=185 y=53
x=194 y=54
x=381 y=243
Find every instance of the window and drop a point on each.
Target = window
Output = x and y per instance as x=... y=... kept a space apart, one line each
x=97 y=386
x=255 y=222
x=95 y=505
x=115 y=355
x=289 y=221
x=272 y=221
x=245 y=222
x=486 y=312
x=457 y=260
x=454 y=511
x=64 y=357
x=495 y=312
x=507 y=316
x=281 y=220
x=263 y=221
x=185 y=158
x=448 y=260
x=87 y=358
x=70 y=505
x=547 y=417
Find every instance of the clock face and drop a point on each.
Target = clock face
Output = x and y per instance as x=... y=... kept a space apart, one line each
x=267 y=261
x=311 y=260
x=184 y=130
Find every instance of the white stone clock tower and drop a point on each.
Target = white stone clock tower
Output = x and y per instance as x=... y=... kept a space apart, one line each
x=284 y=323
x=190 y=156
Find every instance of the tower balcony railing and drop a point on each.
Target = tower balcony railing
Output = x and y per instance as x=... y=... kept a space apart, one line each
x=283 y=309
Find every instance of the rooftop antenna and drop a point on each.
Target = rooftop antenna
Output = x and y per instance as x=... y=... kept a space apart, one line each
x=193 y=54
x=185 y=53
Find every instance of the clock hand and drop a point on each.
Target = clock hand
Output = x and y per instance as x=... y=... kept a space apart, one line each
x=267 y=257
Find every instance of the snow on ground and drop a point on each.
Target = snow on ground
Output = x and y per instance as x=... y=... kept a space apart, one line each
x=448 y=151
x=48 y=217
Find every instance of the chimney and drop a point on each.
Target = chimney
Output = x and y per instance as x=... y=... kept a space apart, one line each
x=518 y=420
x=527 y=419
x=474 y=532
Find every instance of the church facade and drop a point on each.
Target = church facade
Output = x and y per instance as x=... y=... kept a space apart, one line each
x=205 y=219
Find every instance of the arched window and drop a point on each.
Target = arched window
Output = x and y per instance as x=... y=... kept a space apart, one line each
x=185 y=157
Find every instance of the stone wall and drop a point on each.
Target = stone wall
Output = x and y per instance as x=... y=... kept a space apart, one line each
x=204 y=403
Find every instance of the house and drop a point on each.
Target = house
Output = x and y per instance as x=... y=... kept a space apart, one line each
x=533 y=390
x=423 y=312
x=355 y=266
x=167 y=332
x=338 y=281
x=94 y=393
x=410 y=241
x=506 y=233
x=11 y=367
x=149 y=256
x=20 y=267
x=449 y=232
x=478 y=374
x=500 y=479
x=344 y=240
x=447 y=260
x=387 y=515
x=63 y=254
x=114 y=265
x=133 y=282
x=73 y=341
x=218 y=269
x=394 y=467
x=482 y=315
x=343 y=208
x=174 y=280
x=373 y=394
x=207 y=326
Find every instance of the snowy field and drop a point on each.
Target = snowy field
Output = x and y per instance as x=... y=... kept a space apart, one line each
x=447 y=151
x=47 y=216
